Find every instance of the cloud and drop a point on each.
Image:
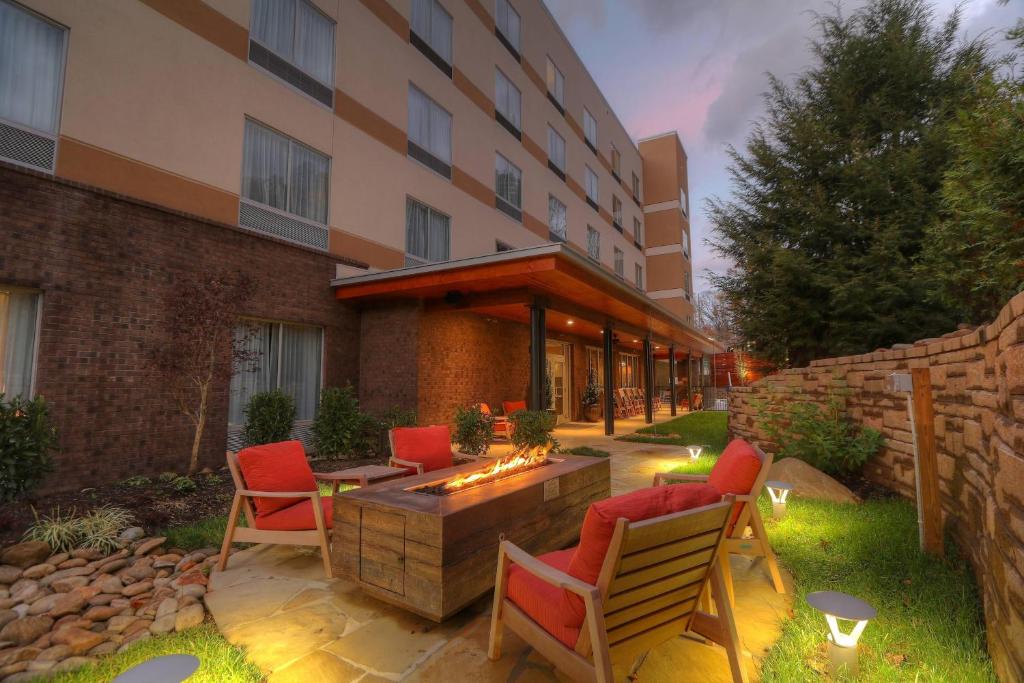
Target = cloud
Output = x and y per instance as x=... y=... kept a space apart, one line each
x=569 y=13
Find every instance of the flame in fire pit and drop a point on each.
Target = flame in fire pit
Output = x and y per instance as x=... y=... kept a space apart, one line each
x=519 y=461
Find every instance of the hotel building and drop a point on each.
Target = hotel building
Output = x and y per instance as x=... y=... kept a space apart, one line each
x=435 y=201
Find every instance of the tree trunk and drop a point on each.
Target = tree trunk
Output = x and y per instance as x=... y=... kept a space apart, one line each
x=193 y=463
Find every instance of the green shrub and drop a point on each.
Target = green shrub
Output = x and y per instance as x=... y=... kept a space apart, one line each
x=393 y=417
x=59 y=530
x=183 y=485
x=27 y=439
x=269 y=417
x=65 y=531
x=339 y=428
x=532 y=428
x=137 y=481
x=473 y=430
x=166 y=477
x=821 y=435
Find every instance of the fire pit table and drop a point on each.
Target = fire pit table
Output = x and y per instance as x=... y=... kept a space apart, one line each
x=428 y=543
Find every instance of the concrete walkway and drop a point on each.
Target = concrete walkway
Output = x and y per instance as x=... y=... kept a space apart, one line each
x=299 y=627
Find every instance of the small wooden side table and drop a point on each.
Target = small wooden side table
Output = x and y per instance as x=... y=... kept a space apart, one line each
x=361 y=476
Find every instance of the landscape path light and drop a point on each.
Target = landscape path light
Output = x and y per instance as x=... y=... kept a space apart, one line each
x=165 y=669
x=842 y=647
x=695 y=452
x=779 y=492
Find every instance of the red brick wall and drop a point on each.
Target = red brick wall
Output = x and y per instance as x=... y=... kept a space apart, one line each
x=465 y=359
x=388 y=370
x=104 y=264
x=978 y=392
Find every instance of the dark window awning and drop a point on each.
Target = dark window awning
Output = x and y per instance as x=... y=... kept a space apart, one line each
x=503 y=284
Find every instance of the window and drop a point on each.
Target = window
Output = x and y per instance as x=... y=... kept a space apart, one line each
x=502 y=246
x=595 y=365
x=619 y=267
x=506 y=26
x=682 y=202
x=616 y=162
x=556 y=152
x=617 y=212
x=638 y=274
x=508 y=187
x=507 y=103
x=556 y=86
x=591 y=186
x=288 y=357
x=430 y=133
x=686 y=244
x=590 y=130
x=19 y=328
x=294 y=41
x=427 y=234
x=593 y=243
x=431 y=33
x=556 y=219
x=636 y=187
x=638 y=233
x=629 y=370
x=688 y=286
x=282 y=174
x=31 y=79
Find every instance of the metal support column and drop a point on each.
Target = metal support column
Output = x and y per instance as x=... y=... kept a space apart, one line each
x=672 y=379
x=609 y=383
x=648 y=381
x=689 y=381
x=538 y=357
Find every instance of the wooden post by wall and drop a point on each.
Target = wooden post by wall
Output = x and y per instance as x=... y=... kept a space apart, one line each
x=609 y=382
x=929 y=506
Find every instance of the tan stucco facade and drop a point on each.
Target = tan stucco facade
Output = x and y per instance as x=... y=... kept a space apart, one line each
x=156 y=95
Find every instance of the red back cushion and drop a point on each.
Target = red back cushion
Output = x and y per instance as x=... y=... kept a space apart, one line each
x=276 y=467
x=599 y=526
x=431 y=446
x=485 y=409
x=512 y=406
x=736 y=470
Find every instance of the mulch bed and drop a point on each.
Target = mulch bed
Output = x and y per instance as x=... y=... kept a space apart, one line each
x=864 y=489
x=155 y=505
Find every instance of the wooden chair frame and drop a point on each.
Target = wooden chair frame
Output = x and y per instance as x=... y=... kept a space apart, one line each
x=418 y=466
x=647 y=593
x=750 y=515
x=501 y=424
x=318 y=536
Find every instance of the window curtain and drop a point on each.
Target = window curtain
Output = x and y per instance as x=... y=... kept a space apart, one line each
x=508 y=182
x=591 y=184
x=508 y=22
x=416 y=227
x=619 y=267
x=419 y=118
x=508 y=99
x=430 y=126
x=593 y=243
x=31 y=61
x=421 y=18
x=441 y=32
x=19 y=313
x=595 y=365
x=556 y=217
x=265 y=166
x=440 y=133
x=556 y=148
x=308 y=188
x=300 y=368
x=438 y=243
x=273 y=25
x=262 y=377
x=314 y=45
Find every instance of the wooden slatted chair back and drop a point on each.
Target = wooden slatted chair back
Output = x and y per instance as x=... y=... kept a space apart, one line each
x=236 y=477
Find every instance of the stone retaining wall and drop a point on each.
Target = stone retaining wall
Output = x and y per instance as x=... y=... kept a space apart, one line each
x=978 y=391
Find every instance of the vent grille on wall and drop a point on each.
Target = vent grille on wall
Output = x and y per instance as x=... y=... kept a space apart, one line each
x=273 y=223
x=290 y=74
x=27 y=148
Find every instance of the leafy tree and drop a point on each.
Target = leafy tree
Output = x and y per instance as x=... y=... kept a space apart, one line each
x=838 y=183
x=197 y=348
x=269 y=417
x=976 y=248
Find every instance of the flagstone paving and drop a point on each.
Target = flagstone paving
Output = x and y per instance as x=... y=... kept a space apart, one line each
x=300 y=627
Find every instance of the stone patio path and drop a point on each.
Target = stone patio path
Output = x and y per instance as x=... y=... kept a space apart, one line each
x=299 y=627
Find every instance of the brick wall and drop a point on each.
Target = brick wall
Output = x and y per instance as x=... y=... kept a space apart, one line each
x=978 y=392
x=387 y=357
x=104 y=265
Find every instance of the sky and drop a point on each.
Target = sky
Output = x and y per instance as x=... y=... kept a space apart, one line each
x=704 y=64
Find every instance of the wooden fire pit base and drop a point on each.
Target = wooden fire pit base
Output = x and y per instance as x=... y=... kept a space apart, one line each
x=433 y=555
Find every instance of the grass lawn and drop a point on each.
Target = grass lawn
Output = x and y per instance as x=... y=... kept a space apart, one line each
x=219 y=661
x=707 y=429
x=929 y=625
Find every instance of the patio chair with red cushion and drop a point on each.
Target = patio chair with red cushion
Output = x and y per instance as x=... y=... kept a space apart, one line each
x=502 y=427
x=422 y=449
x=632 y=583
x=277 y=491
x=512 y=407
x=741 y=471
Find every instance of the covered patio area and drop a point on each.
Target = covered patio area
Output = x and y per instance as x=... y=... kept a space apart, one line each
x=534 y=324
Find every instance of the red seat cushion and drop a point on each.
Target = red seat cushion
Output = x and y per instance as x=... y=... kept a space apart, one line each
x=298 y=517
x=431 y=446
x=512 y=406
x=276 y=467
x=599 y=526
x=735 y=472
x=541 y=601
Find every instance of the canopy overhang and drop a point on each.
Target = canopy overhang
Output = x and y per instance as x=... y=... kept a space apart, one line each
x=581 y=297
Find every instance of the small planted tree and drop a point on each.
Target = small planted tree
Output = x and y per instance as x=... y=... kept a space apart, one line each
x=269 y=417
x=532 y=428
x=473 y=430
x=339 y=427
x=197 y=349
x=27 y=439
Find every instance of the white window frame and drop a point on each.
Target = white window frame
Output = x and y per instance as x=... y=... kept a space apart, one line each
x=620 y=262
x=590 y=179
x=554 y=139
x=34 y=372
x=563 y=234
x=617 y=210
x=505 y=89
x=451 y=138
x=593 y=243
x=682 y=202
x=501 y=9
x=595 y=355
x=631 y=360
x=636 y=186
x=616 y=159
x=499 y=160
x=419 y=260
x=434 y=7
x=291 y=58
x=555 y=82
x=686 y=243
x=589 y=128
x=638 y=274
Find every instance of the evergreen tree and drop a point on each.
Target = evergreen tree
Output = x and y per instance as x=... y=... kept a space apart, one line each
x=838 y=183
